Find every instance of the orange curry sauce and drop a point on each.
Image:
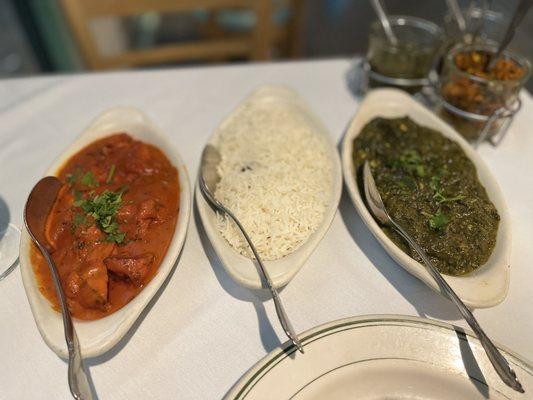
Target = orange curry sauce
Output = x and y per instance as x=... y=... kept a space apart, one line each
x=110 y=226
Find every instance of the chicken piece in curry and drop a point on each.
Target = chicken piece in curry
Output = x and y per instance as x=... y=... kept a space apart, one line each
x=110 y=226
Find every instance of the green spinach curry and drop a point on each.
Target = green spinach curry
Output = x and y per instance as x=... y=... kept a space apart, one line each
x=430 y=187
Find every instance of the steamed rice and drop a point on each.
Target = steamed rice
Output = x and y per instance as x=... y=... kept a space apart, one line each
x=275 y=177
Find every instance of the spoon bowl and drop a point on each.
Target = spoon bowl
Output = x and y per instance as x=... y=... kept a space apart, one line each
x=210 y=160
x=373 y=198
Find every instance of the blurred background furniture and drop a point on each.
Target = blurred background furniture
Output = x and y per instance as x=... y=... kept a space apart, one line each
x=219 y=30
x=36 y=35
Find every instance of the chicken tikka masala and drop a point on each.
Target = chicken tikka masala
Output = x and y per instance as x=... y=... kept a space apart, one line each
x=110 y=226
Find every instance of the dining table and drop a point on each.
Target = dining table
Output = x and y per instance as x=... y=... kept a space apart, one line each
x=203 y=331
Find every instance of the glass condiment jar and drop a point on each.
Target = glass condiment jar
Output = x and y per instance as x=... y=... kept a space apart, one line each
x=482 y=26
x=472 y=97
x=408 y=63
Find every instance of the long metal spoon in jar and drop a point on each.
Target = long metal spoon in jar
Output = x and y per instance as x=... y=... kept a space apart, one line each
x=38 y=206
x=520 y=12
x=382 y=15
x=454 y=8
x=375 y=203
x=208 y=180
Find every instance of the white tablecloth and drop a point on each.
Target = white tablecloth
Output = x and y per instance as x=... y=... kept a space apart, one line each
x=204 y=331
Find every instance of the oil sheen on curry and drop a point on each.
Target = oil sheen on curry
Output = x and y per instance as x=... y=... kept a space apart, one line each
x=110 y=226
x=431 y=188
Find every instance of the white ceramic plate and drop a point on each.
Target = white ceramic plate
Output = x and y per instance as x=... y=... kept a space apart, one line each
x=240 y=268
x=381 y=357
x=96 y=337
x=488 y=285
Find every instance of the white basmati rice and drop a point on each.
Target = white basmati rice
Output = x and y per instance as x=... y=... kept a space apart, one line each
x=275 y=177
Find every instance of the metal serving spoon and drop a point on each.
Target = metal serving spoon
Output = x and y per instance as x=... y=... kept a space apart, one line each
x=377 y=208
x=382 y=15
x=454 y=8
x=208 y=179
x=520 y=12
x=38 y=206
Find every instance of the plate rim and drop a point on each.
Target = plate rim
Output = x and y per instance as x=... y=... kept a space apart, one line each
x=287 y=348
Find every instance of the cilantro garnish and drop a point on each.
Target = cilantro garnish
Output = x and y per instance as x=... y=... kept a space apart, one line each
x=110 y=174
x=117 y=237
x=79 y=219
x=73 y=178
x=103 y=209
x=88 y=179
x=440 y=198
x=411 y=157
x=434 y=184
x=78 y=196
x=438 y=220
x=412 y=163
x=409 y=182
x=85 y=179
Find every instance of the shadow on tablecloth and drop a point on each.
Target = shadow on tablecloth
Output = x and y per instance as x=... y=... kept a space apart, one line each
x=90 y=362
x=8 y=261
x=269 y=338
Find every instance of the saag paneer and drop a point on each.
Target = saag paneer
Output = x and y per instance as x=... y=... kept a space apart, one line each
x=430 y=187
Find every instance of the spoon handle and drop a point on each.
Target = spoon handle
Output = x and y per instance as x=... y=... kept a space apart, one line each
x=77 y=376
x=520 y=12
x=280 y=311
x=454 y=8
x=502 y=367
x=382 y=15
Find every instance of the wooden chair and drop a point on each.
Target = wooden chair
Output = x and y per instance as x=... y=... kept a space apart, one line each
x=255 y=45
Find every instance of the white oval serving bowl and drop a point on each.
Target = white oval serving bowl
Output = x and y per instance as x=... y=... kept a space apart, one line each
x=98 y=336
x=488 y=285
x=239 y=267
